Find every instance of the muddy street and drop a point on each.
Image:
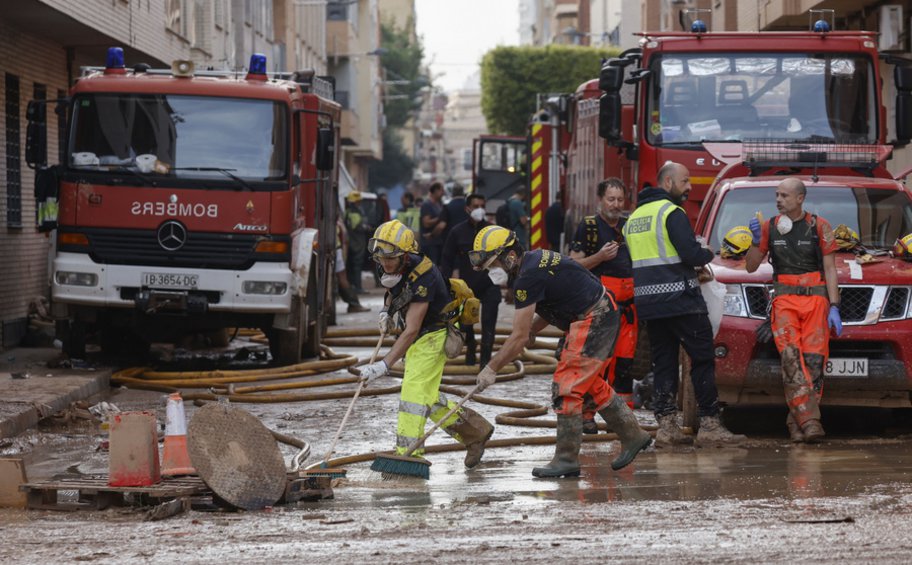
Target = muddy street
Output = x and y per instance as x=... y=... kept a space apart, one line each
x=848 y=498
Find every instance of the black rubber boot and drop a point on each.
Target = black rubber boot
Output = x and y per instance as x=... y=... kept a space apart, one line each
x=633 y=438
x=470 y=355
x=485 y=354
x=590 y=427
x=566 y=453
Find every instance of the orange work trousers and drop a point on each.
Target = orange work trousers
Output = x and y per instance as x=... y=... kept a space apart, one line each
x=617 y=372
x=800 y=330
x=588 y=347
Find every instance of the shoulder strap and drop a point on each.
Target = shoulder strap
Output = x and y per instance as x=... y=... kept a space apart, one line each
x=591 y=235
x=422 y=267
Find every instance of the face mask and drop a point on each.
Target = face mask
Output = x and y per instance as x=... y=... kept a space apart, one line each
x=784 y=224
x=498 y=276
x=478 y=214
x=389 y=281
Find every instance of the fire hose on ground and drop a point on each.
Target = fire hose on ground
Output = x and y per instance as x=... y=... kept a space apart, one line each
x=239 y=386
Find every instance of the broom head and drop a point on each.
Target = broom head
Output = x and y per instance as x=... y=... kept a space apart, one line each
x=392 y=466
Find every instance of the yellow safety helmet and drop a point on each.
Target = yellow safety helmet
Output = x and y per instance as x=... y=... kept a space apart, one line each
x=903 y=247
x=353 y=196
x=736 y=242
x=489 y=243
x=392 y=239
x=846 y=237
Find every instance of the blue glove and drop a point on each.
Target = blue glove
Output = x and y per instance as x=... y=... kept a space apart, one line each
x=835 y=320
x=756 y=231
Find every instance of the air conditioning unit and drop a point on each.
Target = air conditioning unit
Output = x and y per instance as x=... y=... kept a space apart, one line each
x=891 y=28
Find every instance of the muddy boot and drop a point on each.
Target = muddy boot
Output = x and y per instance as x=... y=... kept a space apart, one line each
x=566 y=453
x=713 y=432
x=470 y=355
x=812 y=431
x=473 y=431
x=590 y=427
x=669 y=433
x=795 y=433
x=633 y=438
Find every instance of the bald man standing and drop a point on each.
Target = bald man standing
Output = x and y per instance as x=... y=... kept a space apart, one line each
x=667 y=296
x=805 y=301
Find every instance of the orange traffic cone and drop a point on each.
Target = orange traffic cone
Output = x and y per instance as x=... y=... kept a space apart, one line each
x=175 y=458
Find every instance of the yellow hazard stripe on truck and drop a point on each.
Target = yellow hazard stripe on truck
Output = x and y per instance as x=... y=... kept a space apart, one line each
x=535 y=234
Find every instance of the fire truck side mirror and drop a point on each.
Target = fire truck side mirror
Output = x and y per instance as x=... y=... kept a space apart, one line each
x=326 y=149
x=902 y=78
x=610 y=118
x=36 y=134
x=611 y=77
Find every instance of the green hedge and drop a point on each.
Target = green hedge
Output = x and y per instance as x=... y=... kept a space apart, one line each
x=512 y=76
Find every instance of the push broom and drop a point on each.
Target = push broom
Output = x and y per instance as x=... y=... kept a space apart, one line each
x=405 y=465
x=322 y=469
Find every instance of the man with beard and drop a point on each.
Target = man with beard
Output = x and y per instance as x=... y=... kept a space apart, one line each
x=599 y=246
x=667 y=295
x=553 y=289
x=456 y=255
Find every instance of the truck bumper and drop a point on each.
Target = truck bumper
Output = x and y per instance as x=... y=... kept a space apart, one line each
x=119 y=286
x=750 y=372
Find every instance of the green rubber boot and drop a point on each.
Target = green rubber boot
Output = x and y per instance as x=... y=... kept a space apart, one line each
x=566 y=453
x=620 y=418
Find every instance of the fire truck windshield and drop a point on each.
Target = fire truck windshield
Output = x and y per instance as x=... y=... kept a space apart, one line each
x=731 y=96
x=879 y=216
x=188 y=137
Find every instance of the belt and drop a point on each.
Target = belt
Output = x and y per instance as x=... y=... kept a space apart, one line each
x=816 y=290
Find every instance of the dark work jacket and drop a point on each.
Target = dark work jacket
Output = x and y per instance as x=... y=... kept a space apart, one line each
x=456 y=256
x=692 y=254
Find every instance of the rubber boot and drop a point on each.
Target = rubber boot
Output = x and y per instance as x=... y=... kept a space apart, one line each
x=713 y=432
x=485 y=354
x=795 y=433
x=812 y=431
x=590 y=427
x=566 y=453
x=470 y=355
x=473 y=431
x=633 y=438
x=669 y=433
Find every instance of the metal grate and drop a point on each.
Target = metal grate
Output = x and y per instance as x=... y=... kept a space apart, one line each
x=757 y=300
x=854 y=302
x=895 y=306
x=781 y=152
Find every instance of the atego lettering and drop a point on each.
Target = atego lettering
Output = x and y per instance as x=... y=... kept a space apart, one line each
x=174 y=209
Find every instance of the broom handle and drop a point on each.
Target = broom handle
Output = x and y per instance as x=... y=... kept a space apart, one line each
x=440 y=422
x=332 y=446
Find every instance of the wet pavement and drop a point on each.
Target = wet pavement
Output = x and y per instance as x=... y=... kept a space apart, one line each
x=847 y=499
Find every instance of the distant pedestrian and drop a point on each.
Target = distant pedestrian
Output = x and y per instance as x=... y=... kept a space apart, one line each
x=432 y=224
x=359 y=230
x=554 y=223
x=667 y=295
x=454 y=212
x=519 y=217
x=409 y=214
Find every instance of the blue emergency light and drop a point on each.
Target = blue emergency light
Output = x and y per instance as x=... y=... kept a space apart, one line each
x=821 y=26
x=115 y=58
x=698 y=26
x=257 y=64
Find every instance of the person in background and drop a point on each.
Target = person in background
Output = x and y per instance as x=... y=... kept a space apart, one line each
x=432 y=224
x=805 y=305
x=454 y=211
x=456 y=250
x=599 y=246
x=346 y=292
x=665 y=254
x=519 y=217
x=554 y=222
x=359 y=230
x=409 y=214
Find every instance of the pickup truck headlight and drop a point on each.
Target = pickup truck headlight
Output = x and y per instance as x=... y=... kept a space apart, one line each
x=733 y=304
x=70 y=278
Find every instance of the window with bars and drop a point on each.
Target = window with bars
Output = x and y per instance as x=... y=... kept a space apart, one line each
x=13 y=151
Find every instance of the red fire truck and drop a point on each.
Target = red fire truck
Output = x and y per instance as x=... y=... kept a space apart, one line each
x=191 y=201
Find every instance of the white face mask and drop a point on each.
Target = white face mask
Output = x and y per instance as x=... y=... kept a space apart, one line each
x=498 y=276
x=389 y=281
x=784 y=224
x=478 y=214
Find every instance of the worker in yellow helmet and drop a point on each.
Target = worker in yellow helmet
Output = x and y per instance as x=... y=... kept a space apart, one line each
x=415 y=298
x=552 y=289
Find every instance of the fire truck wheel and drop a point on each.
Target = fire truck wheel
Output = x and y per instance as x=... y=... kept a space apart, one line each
x=285 y=344
x=313 y=322
x=74 y=339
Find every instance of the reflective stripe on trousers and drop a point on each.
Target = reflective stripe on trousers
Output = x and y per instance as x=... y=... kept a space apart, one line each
x=420 y=397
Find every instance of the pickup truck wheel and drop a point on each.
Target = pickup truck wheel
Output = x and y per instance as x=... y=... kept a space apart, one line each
x=642 y=357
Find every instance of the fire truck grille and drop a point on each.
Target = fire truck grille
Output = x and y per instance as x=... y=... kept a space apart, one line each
x=201 y=250
x=855 y=301
x=895 y=307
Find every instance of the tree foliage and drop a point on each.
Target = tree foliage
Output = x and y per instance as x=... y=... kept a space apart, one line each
x=401 y=61
x=512 y=76
x=396 y=167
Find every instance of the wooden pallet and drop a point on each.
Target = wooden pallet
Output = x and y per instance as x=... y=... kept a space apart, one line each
x=96 y=494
